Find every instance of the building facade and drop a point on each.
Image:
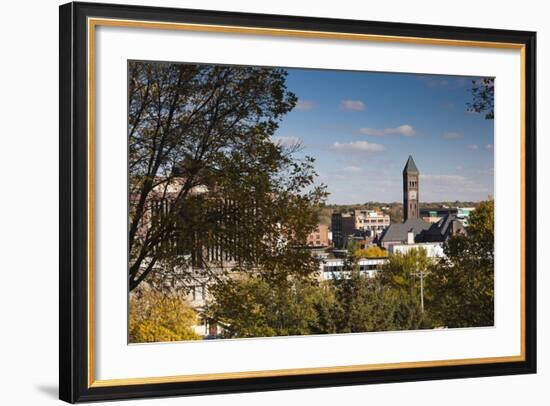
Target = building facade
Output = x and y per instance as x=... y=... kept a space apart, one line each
x=318 y=237
x=371 y=221
x=342 y=227
x=433 y=249
x=333 y=268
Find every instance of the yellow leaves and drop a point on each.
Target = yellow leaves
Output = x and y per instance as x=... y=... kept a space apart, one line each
x=156 y=317
x=370 y=252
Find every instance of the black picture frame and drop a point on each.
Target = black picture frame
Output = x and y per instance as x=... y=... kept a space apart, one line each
x=74 y=199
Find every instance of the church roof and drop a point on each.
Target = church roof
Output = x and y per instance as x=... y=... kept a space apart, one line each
x=399 y=232
x=422 y=230
x=410 y=167
x=444 y=228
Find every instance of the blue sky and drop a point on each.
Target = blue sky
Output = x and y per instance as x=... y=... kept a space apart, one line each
x=362 y=126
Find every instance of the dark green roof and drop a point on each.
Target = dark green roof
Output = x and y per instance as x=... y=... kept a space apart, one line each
x=399 y=231
x=410 y=167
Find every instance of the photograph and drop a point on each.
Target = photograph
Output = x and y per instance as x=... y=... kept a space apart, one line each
x=283 y=201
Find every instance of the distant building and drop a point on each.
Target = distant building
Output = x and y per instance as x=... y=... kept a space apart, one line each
x=334 y=267
x=342 y=226
x=421 y=231
x=464 y=214
x=433 y=215
x=433 y=249
x=399 y=233
x=371 y=221
x=443 y=222
x=318 y=237
x=410 y=190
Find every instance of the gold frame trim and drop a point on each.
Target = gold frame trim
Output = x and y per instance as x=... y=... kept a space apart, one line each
x=94 y=22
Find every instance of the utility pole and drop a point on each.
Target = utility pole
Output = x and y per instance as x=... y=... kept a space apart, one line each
x=421 y=276
x=422 y=291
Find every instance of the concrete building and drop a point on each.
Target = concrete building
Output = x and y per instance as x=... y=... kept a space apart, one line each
x=371 y=221
x=318 y=237
x=334 y=267
x=433 y=249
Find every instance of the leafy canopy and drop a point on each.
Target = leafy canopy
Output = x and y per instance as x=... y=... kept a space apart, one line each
x=157 y=316
x=204 y=172
x=461 y=289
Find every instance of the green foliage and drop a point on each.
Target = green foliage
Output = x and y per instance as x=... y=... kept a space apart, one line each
x=458 y=292
x=401 y=270
x=461 y=288
x=252 y=306
x=158 y=316
x=364 y=304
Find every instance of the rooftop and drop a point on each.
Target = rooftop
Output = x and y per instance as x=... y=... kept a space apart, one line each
x=410 y=166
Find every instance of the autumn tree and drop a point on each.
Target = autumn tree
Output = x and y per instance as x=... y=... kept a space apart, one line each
x=372 y=251
x=156 y=317
x=205 y=173
x=461 y=288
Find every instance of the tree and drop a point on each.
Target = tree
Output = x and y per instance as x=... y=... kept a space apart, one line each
x=483 y=93
x=204 y=173
x=252 y=306
x=362 y=303
x=155 y=316
x=365 y=304
x=373 y=251
x=402 y=270
x=461 y=288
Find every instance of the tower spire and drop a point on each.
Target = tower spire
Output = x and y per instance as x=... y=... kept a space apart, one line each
x=410 y=190
x=410 y=166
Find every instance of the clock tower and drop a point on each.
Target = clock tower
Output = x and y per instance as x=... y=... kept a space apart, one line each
x=410 y=190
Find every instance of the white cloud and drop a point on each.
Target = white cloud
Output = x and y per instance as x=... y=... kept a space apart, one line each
x=358 y=146
x=287 y=141
x=352 y=169
x=452 y=135
x=405 y=130
x=352 y=105
x=472 y=147
x=489 y=146
x=452 y=183
x=305 y=105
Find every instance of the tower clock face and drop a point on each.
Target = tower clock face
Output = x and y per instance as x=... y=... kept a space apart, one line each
x=412 y=195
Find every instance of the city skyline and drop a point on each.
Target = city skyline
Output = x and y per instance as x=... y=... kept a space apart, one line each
x=361 y=126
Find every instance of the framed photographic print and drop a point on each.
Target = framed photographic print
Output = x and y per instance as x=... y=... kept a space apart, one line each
x=257 y=202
